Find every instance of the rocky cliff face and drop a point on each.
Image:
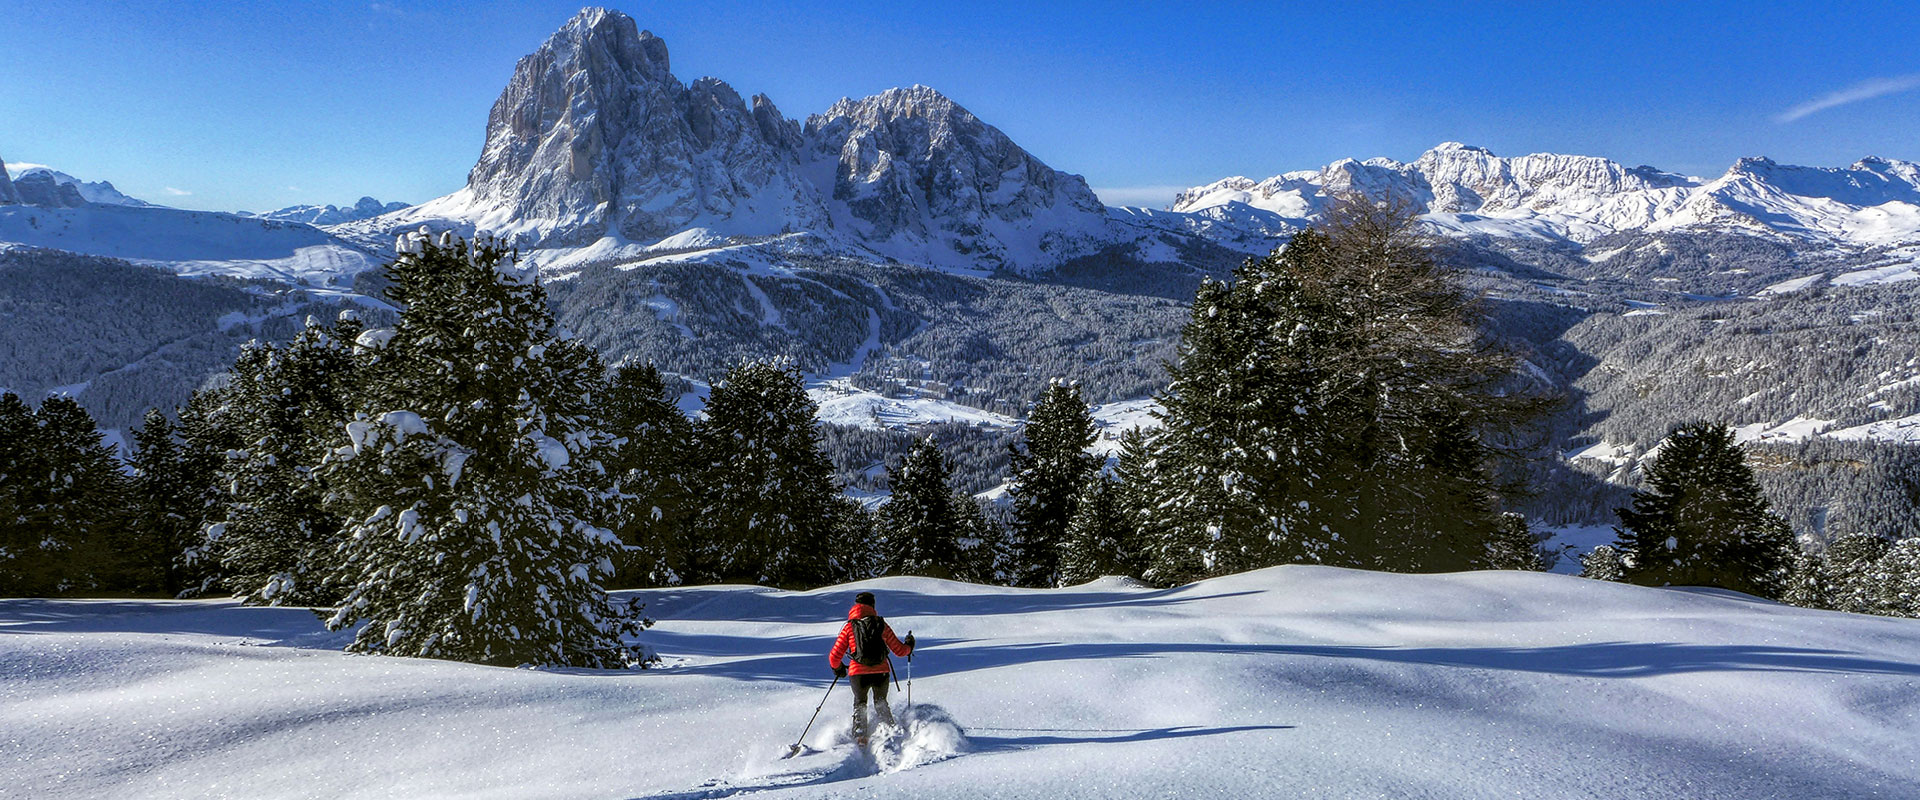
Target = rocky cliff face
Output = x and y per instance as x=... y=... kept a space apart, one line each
x=915 y=174
x=595 y=142
x=8 y=195
x=39 y=188
x=595 y=136
x=96 y=192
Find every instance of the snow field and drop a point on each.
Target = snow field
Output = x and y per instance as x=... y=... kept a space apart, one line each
x=1308 y=681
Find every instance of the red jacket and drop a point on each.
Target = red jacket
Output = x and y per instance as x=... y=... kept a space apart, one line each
x=843 y=646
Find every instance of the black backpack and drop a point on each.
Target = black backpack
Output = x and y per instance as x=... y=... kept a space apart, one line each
x=869 y=643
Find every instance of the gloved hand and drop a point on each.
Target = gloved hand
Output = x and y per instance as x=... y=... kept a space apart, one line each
x=908 y=641
x=840 y=672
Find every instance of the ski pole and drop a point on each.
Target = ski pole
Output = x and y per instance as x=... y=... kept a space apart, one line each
x=909 y=675
x=795 y=749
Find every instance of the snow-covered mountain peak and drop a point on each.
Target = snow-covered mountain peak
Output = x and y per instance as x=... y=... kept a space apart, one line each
x=920 y=178
x=1470 y=190
x=594 y=146
x=47 y=189
x=594 y=141
x=364 y=208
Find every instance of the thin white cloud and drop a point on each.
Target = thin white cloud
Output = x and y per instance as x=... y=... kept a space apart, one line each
x=1864 y=90
x=177 y=192
x=1144 y=196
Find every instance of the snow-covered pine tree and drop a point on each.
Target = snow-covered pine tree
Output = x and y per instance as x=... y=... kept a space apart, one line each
x=985 y=541
x=286 y=403
x=649 y=466
x=66 y=497
x=922 y=521
x=855 y=547
x=1849 y=575
x=1513 y=545
x=1700 y=519
x=1334 y=403
x=469 y=477
x=764 y=480
x=1099 y=537
x=1050 y=466
x=1239 y=464
x=205 y=439
x=1135 y=469
x=163 y=506
x=1894 y=580
x=1603 y=563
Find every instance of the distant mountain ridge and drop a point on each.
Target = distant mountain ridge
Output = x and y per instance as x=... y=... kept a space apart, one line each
x=365 y=208
x=52 y=187
x=1469 y=190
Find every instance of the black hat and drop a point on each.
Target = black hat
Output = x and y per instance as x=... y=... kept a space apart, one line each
x=864 y=598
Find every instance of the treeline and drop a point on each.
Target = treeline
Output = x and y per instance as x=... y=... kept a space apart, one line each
x=468 y=483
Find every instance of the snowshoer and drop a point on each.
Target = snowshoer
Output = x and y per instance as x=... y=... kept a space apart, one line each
x=863 y=644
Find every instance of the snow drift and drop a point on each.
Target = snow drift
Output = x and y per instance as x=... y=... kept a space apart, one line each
x=1310 y=681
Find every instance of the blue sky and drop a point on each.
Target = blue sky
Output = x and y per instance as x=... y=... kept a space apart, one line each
x=262 y=105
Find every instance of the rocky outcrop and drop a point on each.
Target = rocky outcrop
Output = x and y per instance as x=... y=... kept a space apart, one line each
x=8 y=195
x=39 y=188
x=96 y=192
x=914 y=171
x=594 y=135
x=595 y=142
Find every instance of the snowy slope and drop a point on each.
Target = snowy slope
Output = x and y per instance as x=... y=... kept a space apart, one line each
x=1294 y=681
x=188 y=242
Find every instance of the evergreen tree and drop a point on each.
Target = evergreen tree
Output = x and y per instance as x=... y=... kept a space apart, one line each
x=163 y=506
x=1335 y=403
x=1894 y=580
x=766 y=485
x=857 y=551
x=984 y=540
x=923 y=519
x=1852 y=574
x=649 y=466
x=67 y=496
x=276 y=542
x=1513 y=546
x=1050 y=465
x=1701 y=520
x=1136 y=494
x=1603 y=563
x=470 y=477
x=21 y=484
x=1098 y=538
x=206 y=437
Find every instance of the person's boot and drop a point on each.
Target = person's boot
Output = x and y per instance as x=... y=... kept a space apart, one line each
x=860 y=724
x=886 y=713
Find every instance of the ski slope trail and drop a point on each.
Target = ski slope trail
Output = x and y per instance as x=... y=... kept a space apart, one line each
x=1306 y=681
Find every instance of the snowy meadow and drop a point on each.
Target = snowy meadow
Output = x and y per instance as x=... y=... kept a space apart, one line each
x=1295 y=681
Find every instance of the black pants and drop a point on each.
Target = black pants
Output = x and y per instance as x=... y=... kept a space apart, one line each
x=876 y=684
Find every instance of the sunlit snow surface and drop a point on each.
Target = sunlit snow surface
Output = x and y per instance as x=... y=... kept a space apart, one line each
x=1294 y=682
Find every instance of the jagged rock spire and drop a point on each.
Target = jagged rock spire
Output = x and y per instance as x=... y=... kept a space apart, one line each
x=8 y=195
